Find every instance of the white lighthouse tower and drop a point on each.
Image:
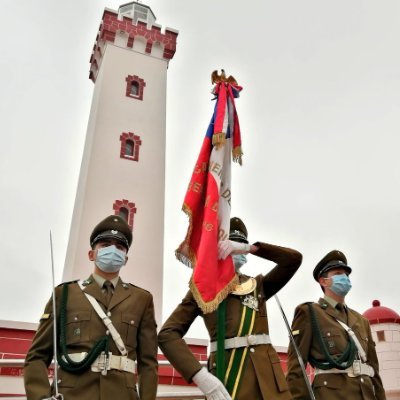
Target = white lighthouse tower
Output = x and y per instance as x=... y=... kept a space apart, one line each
x=123 y=166
x=385 y=327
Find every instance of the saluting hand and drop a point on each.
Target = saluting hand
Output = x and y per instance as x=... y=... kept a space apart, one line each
x=227 y=247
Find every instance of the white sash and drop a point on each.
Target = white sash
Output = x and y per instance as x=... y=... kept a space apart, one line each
x=107 y=322
x=353 y=336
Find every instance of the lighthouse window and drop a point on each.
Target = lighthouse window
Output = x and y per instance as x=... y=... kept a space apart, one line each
x=135 y=89
x=381 y=336
x=129 y=147
x=124 y=213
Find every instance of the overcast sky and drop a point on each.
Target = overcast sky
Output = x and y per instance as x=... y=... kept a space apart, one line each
x=320 y=123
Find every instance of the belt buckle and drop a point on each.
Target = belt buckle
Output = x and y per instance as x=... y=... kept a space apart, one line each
x=356 y=369
x=252 y=340
x=104 y=362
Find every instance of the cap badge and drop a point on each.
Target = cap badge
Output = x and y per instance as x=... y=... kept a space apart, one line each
x=114 y=232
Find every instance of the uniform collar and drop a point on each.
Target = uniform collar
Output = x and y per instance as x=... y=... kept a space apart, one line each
x=100 y=280
x=332 y=302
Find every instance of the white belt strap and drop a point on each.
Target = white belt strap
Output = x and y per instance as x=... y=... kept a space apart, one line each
x=104 y=362
x=353 y=336
x=358 y=368
x=243 y=341
x=107 y=322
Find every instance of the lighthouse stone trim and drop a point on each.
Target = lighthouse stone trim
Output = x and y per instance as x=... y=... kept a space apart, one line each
x=122 y=31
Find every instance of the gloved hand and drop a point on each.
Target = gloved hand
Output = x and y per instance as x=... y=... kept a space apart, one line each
x=227 y=247
x=210 y=385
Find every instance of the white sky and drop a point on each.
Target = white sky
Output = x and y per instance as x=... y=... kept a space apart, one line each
x=320 y=126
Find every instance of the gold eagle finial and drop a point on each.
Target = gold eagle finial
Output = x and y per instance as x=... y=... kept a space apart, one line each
x=216 y=77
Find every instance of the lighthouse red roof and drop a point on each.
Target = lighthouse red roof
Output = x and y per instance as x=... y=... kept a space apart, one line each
x=380 y=315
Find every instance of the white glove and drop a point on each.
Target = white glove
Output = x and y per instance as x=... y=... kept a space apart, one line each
x=227 y=247
x=211 y=386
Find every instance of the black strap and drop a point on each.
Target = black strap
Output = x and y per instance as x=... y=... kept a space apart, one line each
x=66 y=363
x=340 y=361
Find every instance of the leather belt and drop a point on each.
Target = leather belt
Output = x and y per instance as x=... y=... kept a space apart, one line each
x=243 y=341
x=358 y=368
x=104 y=362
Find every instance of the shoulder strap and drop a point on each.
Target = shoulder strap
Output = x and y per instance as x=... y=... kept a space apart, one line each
x=353 y=336
x=106 y=321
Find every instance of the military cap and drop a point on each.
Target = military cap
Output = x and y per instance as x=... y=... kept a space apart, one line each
x=238 y=230
x=334 y=259
x=112 y=227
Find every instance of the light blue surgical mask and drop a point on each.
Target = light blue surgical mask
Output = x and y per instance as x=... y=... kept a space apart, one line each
x=239 y=260
x=110 y=259
x=341 y=284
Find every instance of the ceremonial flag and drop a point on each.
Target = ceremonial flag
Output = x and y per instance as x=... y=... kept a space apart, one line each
x=208 y=202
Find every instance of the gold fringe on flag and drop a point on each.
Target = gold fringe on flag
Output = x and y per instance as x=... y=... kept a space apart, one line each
x=211 y=306
x=237 y=154
x=184 y=253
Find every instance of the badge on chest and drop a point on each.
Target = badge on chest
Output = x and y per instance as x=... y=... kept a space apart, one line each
x=246 y=290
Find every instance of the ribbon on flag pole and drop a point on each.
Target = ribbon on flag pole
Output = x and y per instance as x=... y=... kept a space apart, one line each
x=208 y=201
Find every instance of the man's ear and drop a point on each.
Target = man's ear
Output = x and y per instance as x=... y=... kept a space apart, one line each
x=126 y=260
x=323 y=282
x=92 y=255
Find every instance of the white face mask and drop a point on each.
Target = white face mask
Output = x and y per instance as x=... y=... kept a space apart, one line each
x=110 y=259
x=239 y=260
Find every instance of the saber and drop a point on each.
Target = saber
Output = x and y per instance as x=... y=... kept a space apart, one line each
x=300 y=359
x=57 y=396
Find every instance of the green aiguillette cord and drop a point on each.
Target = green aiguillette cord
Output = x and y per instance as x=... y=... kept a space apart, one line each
x=221 y=314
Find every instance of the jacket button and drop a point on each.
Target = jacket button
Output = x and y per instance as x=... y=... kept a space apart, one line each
x=362 y=380
x=132 y=322
x=107 y=332
x=109 y=314
x=252 y=349
x=325 y=383
x=75 y=318
x=59 y=381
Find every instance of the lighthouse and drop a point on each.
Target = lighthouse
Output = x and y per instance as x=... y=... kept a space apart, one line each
x=385 y=327
x=123 y=166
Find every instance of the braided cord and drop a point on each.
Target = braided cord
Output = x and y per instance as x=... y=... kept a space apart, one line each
x=63 y=358
x=341 y=361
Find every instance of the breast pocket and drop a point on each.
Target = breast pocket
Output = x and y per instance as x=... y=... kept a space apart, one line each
x=335 y=340
x=77 y=326
x=129 y=328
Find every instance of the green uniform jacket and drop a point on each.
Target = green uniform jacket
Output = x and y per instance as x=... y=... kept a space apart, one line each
x=132 y=314
x=332 y=386
x=263 y=377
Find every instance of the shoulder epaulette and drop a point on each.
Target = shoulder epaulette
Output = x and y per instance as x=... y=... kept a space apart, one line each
x=138 y=287
x=69 y=282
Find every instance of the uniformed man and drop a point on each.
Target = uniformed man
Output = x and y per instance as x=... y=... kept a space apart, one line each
x=252 y=364
x=335 y=340
x=98 y=362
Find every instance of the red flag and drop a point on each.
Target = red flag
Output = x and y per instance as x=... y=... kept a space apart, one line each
x=208 y=204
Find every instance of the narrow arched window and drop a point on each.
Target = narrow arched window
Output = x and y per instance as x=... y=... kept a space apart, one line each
x=129 y=148
x=124 y=213
x=126 y=209
x=134 y=89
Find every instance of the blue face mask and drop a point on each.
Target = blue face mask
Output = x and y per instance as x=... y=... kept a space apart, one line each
x=341 y=284
x=110 y=259
x=239 y=260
